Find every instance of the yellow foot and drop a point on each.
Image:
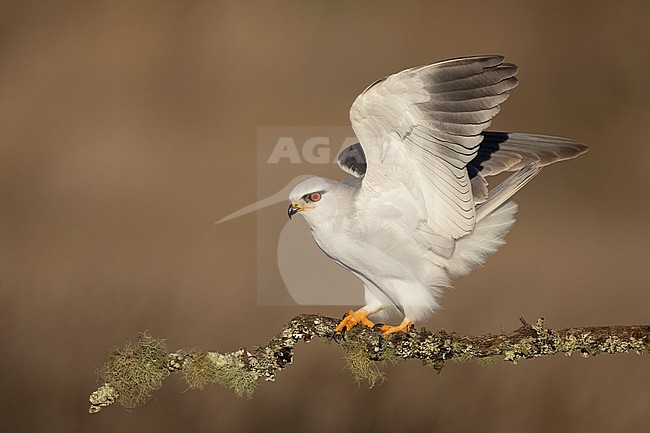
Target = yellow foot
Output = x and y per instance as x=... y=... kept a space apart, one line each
x=405 y=326
x=352 y=318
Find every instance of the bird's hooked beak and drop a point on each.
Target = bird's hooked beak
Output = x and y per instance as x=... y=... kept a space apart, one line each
x=294 y=208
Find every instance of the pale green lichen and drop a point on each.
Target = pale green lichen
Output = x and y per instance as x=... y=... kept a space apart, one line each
x=523 y=349
x=488 y=360
x=613 y=344
x=463 y=352
x=570 y=344
x=389 y=356
x=136 y=370
x=225 y=370
x=366 y=352
x=104 y=396
x=360 y=365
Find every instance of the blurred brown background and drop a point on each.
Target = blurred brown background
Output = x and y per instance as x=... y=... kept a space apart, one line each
x=127 y=129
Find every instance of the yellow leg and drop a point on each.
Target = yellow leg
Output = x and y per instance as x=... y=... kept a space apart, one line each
x=352 y=318
x=405 y=326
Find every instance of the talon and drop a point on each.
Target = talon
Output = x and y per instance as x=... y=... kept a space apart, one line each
x=352 y=318
x=378 y=326
x=405 y=326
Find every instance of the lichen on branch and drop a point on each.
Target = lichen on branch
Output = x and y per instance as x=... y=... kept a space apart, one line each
x=133 y=373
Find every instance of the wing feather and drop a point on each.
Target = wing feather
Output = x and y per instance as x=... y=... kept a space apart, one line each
x=420 y=128
x=352 y=160
x=502 y=151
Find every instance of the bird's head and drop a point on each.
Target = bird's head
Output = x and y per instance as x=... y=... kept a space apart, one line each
x=312 y=197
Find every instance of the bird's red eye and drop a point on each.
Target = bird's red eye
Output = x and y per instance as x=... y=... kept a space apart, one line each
x=315 y=196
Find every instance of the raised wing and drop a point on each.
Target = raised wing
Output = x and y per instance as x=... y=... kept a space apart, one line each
x=420 y=128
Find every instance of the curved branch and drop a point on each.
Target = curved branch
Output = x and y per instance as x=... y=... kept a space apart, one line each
x=134 y=372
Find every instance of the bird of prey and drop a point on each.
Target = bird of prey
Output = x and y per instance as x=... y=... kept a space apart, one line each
x=415 y=209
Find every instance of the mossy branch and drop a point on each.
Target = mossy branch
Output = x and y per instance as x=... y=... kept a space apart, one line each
x=134 y=372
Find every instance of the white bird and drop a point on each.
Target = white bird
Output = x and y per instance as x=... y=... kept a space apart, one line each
x=416 y=209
